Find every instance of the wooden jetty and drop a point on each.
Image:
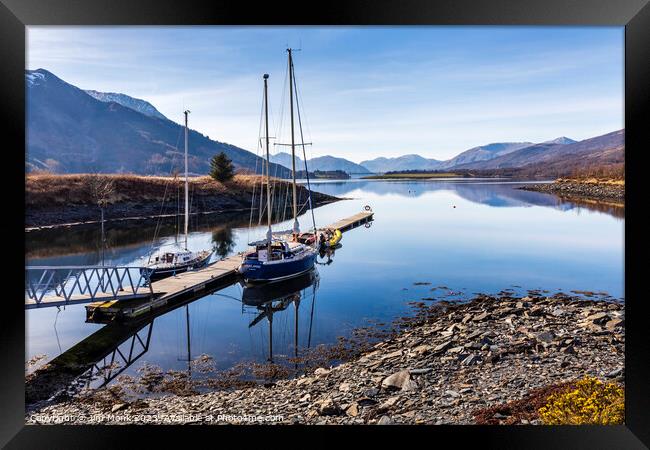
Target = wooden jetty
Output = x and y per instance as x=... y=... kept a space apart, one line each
x=190 y=283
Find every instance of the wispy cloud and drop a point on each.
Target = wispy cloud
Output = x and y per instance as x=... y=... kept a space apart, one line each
x=367 y=91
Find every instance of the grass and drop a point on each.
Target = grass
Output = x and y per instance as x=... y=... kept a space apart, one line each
x=407 y=175
x=53 y=190
x=593 y=180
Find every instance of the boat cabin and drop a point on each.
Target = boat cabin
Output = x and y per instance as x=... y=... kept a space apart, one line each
x=173 y=258
x=279 y=250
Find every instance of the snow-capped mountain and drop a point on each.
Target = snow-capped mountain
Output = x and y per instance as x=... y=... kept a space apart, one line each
x=139 y=105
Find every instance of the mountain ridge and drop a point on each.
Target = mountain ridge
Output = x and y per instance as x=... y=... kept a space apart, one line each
x=136 y=104
x=70 y=131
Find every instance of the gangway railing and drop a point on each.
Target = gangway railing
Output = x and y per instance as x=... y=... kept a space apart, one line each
x=60 y=285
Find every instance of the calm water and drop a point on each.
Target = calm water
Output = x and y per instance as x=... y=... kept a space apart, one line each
x=461 y=236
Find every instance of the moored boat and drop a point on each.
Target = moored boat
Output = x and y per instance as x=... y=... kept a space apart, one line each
x=169 y=263
x=274 y=259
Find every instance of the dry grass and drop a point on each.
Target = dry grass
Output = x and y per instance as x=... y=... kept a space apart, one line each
x=593 y=180
x=58 y=190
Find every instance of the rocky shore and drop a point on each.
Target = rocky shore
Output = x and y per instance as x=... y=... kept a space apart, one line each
x=450 y=363
x=581 y=189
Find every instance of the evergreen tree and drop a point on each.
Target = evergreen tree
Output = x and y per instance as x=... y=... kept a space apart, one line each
x=221 y=168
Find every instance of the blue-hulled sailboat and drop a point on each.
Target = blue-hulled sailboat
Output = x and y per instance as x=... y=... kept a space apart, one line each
x=276 y=258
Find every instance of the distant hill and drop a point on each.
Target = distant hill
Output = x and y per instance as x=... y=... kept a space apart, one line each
x=321 y=163
x=472 y=158
x=70 y=131
x=484 y=153
x=604 y=147
x=136 y=104
x=561 y=140
x=406 y=162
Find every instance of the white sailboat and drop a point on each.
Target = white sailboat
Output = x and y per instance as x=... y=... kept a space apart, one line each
x=169 y=263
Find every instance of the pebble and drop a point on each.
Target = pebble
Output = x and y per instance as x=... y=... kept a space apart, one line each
x=528 y=351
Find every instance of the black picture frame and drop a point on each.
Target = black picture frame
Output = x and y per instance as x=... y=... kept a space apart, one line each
x=15 y=15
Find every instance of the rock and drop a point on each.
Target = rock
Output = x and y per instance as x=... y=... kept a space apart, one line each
x=371 y=392
x=410 y=385
x=451 y=393
x=480 y=317
x=420 y=371
x=615 y=323
x=364 y=401
x=344 y=387
x=392 y=355
x=385 y=420
x=119 y=406
x=392 y=401
x=321 y=371
x=598 y=318
x=396 y=380
x=329 y=407
x=353 y=410
x=545 y=336
x=421 y=349
x=456 y=349
x=442 y=347
x=615 y=373
x=305 y=380
x=305 y=398
x=471 y=359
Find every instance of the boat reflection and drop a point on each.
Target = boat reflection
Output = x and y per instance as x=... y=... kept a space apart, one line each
x=273 y=298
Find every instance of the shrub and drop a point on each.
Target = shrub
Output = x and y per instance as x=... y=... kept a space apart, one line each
x=221 y=168
x=592 y=402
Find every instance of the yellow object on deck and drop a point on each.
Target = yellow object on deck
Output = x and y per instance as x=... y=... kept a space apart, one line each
x=336 y=237
x=106 y=304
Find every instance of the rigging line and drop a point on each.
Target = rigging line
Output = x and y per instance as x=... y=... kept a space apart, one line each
x=299 y=97
x=302 y=140
x=257 y=151
x=158 y=222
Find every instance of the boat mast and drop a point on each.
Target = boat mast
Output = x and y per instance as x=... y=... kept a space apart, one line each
x=186 y=186
x=269 y=234
x=296 y=226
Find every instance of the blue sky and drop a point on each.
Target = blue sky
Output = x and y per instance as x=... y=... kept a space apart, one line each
x=366 y=91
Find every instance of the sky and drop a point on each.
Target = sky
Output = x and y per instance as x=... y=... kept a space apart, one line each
x=365 y=91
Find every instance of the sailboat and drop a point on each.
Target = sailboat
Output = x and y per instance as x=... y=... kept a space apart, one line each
x=169 y=263
x=276 y=258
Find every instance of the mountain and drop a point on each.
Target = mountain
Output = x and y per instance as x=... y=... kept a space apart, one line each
x=70 y=131
x=406 y=162
x=136 y=104
x=484 y=153
x=605 y=149
x=475 y=154
x=284 y=159
x=321 y=163
x=561 y=140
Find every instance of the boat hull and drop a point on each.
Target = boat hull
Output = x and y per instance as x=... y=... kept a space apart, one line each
x=259 y=272
x=160 y=273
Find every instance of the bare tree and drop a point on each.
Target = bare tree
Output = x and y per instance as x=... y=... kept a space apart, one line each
x=100 y=188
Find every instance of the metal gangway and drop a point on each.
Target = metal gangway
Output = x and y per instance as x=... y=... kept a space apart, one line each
x=64 y=285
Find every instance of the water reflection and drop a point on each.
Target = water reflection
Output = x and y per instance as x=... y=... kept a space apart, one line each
x=497 y=236
x=270 y=299
x=488 y=192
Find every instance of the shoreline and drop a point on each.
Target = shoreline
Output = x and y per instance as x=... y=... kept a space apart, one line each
x=446 y=364
x=582 y=190
x=54 y=201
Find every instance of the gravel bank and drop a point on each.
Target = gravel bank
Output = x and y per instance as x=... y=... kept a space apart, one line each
x=566 y=188
x=447 y=362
